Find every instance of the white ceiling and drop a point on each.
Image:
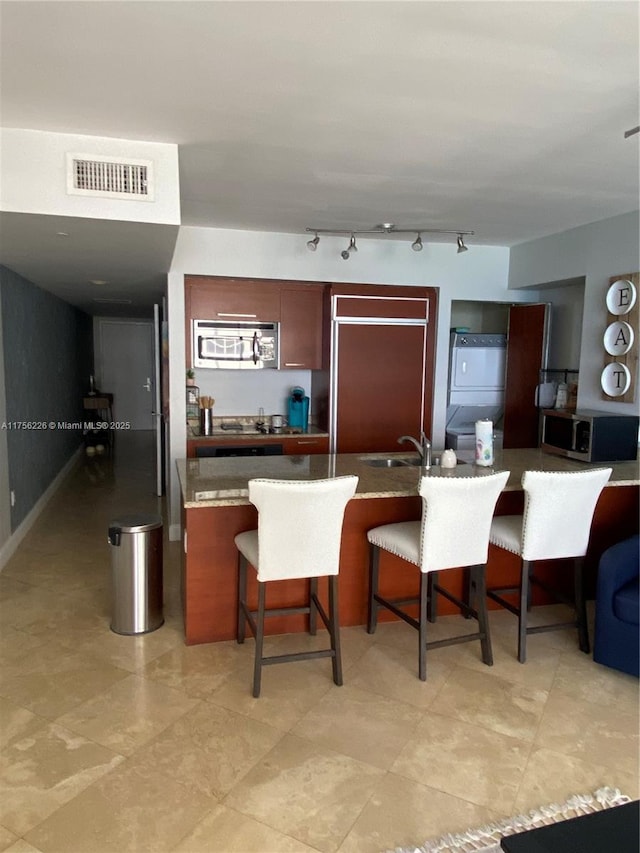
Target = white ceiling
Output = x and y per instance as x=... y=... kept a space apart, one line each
x=506 y=118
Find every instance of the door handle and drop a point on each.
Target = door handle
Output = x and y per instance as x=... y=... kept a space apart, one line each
x=147 y=385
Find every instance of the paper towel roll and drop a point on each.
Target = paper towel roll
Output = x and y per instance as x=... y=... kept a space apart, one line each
x=484 y=442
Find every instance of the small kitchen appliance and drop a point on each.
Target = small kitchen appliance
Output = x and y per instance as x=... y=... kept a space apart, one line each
x=590 y=436
x=298 y=409
x=237 y=345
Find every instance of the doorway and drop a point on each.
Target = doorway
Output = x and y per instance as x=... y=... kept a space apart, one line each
x=124 y=368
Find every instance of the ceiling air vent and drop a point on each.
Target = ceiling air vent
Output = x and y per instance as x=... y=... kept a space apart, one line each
x=109 y=177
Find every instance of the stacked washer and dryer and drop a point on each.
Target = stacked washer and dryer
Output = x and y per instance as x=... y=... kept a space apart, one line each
x=476 y=387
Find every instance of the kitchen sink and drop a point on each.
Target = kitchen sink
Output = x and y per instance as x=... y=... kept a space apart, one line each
x=390 y=462
x=395 y=462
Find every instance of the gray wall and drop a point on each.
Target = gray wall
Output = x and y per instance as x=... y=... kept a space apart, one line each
x=592 y=253
x=48 y=355
x=5 y=512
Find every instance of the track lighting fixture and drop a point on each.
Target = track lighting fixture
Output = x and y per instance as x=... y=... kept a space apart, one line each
x=346 y=253
x=386 y=229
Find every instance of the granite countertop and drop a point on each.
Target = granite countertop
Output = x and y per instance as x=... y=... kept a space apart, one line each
x=223 y=481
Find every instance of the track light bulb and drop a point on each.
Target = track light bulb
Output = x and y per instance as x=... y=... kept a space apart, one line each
x=461 y=245
x=417 y=244
x=312 y=245
x=346 y=253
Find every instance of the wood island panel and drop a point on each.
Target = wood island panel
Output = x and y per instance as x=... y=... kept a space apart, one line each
x=209 y=575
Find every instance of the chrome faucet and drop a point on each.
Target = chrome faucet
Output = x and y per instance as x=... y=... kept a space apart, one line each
x=423 y=447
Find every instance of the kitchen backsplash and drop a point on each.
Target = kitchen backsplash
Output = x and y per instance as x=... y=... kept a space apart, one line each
x=243 y=392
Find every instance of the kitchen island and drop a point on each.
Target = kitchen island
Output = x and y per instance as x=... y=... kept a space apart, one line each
x=215 y=507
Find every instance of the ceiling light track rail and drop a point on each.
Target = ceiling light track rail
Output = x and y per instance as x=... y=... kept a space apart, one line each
x=387 y=229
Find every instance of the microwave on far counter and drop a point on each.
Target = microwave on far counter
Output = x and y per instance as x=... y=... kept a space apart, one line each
x=590 y=436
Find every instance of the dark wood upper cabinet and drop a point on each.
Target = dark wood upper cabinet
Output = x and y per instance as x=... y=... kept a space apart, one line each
x=213 y=298
x=301 y=327
x=297 y=306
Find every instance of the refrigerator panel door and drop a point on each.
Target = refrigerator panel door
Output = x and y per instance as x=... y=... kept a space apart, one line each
x=380 y=386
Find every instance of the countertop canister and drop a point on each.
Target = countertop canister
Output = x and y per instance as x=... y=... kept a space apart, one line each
x=484 y=442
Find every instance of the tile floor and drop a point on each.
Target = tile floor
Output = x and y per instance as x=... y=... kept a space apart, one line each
x=113 y=744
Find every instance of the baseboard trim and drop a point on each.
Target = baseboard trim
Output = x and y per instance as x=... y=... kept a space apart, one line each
x=11 y=545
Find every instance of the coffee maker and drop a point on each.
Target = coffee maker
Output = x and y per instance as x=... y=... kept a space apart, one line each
x=298 y=409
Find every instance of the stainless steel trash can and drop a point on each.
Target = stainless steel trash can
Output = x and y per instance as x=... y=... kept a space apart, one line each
x=136 y=573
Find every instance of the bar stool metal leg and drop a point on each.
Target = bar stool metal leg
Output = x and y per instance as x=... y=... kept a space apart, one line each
x=334 y=629
x=242 y=597
x=257 y=666
x=374 y=574
x=432 y=599
x=478 y=585
x=525 y=586
x=313 y=610
x=422 y=627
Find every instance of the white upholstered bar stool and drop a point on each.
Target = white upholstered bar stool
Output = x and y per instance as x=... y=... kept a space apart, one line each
x=555 y=525
x=298 y=536
x=452 y=533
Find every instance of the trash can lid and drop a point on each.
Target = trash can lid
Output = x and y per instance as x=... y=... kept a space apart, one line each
x=136 y=523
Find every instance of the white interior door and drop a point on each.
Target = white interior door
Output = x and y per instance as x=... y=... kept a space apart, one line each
x=126 y=369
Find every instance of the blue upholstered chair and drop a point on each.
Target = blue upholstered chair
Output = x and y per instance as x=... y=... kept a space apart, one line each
x=617 y=642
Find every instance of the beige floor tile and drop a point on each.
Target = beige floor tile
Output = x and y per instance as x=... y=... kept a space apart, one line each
x=16 y=645
x=486 y=768
x=7 y=838
x=63 y=570
x=45 y=769
x=393 y=672
x=553 y=777
x=208 y=749
x=16 y=722
x=583 y=679
x=12 y=587
x=22 y=846
x=198 y=670
x=312 y=794
x=403 y=636
x=494 y=703
x=52 y=679
x=228 y=831
x=361 y=724
x=127 y=715
x=402 y=813
x=538 y=672
x=288 y=691
x=70 y=618
x=596 y=733
x=354 y=644
x=132 y=653
x=128 y=811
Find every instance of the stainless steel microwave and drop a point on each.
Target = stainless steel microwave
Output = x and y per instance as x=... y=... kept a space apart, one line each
x=236 y=345
x=590 y=436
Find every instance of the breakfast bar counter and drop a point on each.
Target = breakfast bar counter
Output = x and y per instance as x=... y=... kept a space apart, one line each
x=216 y=508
